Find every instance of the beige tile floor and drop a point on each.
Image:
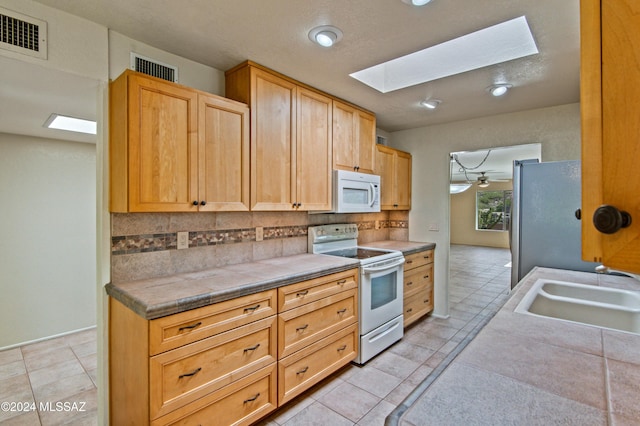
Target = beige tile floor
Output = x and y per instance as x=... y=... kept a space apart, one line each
x=63 y=370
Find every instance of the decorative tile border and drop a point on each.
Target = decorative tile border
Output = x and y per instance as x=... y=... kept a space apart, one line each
x=144 y=243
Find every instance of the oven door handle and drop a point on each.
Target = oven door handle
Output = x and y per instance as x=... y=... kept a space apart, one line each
x=370 y=269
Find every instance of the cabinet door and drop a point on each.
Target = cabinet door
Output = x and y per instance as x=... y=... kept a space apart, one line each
x=273 y=151
x=313 y=151
x=403 y=180
x=610 y=88
x=163 y=154
x=223 y=143
x=344 y=137
x=366 y=140
x=384 y=168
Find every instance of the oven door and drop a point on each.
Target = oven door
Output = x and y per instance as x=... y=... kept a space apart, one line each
x=380 y=293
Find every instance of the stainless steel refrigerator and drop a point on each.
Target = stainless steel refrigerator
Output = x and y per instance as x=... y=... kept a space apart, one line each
x=544 y=228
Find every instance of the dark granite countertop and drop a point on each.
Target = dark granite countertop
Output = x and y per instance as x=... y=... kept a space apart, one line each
x=158 y=297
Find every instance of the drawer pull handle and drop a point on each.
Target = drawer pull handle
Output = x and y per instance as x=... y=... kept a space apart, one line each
x=409 y=262
x=304 y=370
x=252 y=348
x=410 y=283
x=302 y=327
x=426 y=276
x=251 y=399
x=190 y=327
x=341 y=282
x=426 y=301
x=302 y=293
x=342 y=311
x=342 y=348
x=193 y=373
x=409 y=310
x=252 y=308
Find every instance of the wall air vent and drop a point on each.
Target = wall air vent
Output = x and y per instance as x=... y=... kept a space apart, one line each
x=153 y=68
x=23 y=34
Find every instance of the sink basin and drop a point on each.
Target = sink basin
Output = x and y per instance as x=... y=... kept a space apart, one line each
x=586 y=304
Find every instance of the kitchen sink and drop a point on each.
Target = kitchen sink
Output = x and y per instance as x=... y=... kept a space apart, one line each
x=586 y=304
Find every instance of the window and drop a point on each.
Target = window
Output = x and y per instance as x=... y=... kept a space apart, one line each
x=493 y=209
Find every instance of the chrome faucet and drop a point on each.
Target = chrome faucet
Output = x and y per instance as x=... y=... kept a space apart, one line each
x=606 y=270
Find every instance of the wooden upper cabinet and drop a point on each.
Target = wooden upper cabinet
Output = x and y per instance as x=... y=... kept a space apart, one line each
x=313 y=150
x=223 y=144
x=354 y=134
x=610 y=88
x=394 y=168
x=273 y=132
x=160 y=162
x=290 y=140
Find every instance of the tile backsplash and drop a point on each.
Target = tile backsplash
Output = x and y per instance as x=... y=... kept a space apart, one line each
x=144 y=245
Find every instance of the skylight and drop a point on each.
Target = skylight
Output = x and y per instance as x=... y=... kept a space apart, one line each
x=499 y=43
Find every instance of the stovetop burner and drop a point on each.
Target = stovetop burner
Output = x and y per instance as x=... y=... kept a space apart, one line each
x=357 y=253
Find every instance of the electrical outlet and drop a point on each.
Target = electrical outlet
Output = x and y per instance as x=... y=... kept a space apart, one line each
x=259 y=233
x=183 y=240
x=433 y=227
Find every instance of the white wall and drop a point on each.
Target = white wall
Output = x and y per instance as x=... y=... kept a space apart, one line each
x=556 y=128
x=48 y=244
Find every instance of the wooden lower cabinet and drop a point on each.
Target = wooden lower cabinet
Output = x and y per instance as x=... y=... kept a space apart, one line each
x=232 y=362
x=418 y=286
x=305 y=368
x=317 y=331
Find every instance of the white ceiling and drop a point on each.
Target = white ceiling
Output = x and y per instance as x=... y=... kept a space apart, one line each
x=223 y=33
x=497 y=163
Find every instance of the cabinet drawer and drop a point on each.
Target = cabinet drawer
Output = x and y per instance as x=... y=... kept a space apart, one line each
x=309 y=323
x=187 y=327
x=295 y=295
x=185 y=374
x=418 y=259
x=418 y=305
x=418 y=279
x=241 y=403
x=309 y=366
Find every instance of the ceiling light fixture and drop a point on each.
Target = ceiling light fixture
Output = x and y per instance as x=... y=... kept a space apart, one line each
x=431 y=103
x=71 y=124
x=416 y=2
x=325 y=35
x=499 y=89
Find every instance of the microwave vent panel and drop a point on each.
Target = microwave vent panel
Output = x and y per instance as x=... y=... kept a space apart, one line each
x=154 y=68
x=23 y=34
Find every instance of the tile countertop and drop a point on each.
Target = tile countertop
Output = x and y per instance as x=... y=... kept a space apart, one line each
x=158 y=297
x=406 y=247
x=525 y=369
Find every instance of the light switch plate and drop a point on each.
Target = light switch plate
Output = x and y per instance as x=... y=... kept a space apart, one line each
x=433 y=227
x=183 y=240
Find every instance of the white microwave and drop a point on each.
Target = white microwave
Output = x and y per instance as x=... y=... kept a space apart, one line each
x=355 y=192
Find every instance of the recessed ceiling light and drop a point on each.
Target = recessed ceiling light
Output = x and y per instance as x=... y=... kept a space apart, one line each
x=325 y=35
x=499 y=89
x=417 y=2
x=500 y=43
x=431 y=103
x=71 y=124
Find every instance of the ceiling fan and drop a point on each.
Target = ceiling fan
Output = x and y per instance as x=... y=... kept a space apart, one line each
x=483 y=179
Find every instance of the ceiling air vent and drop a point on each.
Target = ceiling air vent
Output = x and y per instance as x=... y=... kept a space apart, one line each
x=23 y=34
x=153 y=68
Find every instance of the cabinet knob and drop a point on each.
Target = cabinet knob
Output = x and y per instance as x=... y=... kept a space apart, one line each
x=203 y=203
x=578 y=214
x=195 y=203
x=609 y=220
